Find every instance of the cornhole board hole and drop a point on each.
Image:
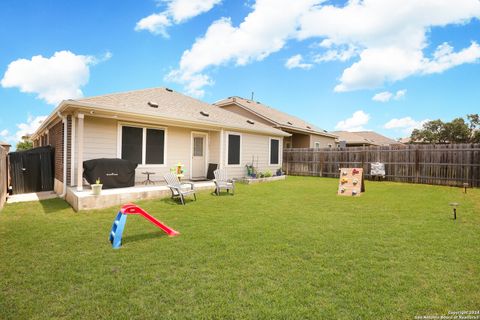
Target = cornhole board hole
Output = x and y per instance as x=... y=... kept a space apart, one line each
x=351 y=182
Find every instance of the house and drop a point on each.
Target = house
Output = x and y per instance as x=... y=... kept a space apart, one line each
x=363 y=138
x=405 y=140
x=302 y=133
x=156 y=128
x=6 y=146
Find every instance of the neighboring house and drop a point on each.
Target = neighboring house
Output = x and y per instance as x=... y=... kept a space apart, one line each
x=5 y=146
x=363 y=138
x=156 y=128
x=405 y=140
x=303 y=134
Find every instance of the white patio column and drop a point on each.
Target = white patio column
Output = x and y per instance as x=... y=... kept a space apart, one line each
x=72 y=153
x=79 y=139
x=222 y=133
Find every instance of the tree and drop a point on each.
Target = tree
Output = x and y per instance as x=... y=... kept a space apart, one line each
x=474 y=122
x=431 y=132
x=24 y=145
x=456 y=131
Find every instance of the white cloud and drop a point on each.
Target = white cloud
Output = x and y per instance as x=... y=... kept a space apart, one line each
x=445 y=58
x=155 y=23
x=355 y=122
x=264 y=31
x=339 y=54
x=296 y=62
x=177 y=11
x=7 y=137
x=400 y=94
x=193 y=82
x=386 y=96
x=392 y=36
x=406 y=125
x=52 y=79
x=382 y=96
x=29 y=127
x=387 y=38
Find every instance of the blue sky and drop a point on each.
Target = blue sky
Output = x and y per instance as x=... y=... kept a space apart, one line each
x=376 y=65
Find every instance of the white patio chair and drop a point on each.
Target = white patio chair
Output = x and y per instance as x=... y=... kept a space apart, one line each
x=222 y=182
x=177 y=188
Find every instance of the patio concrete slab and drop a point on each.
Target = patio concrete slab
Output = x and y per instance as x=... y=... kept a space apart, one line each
x=25 y=197
x=85 y=200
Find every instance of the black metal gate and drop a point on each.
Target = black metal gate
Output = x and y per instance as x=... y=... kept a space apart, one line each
x=32 y=170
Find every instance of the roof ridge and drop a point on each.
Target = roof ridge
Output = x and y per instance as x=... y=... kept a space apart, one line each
x=294 y=117
x=119 y=93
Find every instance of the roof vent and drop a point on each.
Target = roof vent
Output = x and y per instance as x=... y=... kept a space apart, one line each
x=308 y=127
x=205 y=114
x=153 y=104
x=248 y=101
x=325 y=131
x=290 y=123
x=250 y=121
x=169 y=90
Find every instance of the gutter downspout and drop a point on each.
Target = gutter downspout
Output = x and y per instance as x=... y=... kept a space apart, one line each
x=65 y=128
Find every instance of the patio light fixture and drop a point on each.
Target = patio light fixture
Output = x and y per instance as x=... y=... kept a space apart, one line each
x=454 y=205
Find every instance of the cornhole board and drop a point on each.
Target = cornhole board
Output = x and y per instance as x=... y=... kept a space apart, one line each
x=351 y=182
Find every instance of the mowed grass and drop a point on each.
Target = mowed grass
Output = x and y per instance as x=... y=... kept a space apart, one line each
x=289 y=250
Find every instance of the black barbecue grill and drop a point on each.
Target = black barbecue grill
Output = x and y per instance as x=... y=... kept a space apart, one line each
x=113 y=173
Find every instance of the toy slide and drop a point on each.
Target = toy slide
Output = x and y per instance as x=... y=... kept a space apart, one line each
x=121 y=218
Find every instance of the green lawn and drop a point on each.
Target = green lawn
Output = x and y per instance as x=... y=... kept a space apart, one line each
x=289 y=250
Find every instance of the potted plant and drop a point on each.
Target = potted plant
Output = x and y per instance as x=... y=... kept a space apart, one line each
x=279 y=172
x=97 y=187
x=250 y=170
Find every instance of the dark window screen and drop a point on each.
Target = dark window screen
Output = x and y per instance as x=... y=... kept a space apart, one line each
x=132 y=144
x=274 y=151
x=155 y=146
x=233 y=149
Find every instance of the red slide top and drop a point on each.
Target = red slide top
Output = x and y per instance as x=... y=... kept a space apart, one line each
x=131 y=208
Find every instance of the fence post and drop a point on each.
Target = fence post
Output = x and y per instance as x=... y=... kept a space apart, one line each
x=363 y=157
x=417 y=164
x=322 y=160
x=286 y=166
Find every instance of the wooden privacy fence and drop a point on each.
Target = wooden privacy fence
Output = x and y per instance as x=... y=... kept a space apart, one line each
x=449 y=164
x=3 y=176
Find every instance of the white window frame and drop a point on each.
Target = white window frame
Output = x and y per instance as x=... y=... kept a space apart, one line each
x=144 y=128
x=241 y=147
x=270 y=151
x=315 y=144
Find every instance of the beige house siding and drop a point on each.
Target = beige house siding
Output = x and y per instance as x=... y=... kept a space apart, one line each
x=214 y=147
x=247 y=114
x=324 y=141
x=256 y=147
x=101 y=140
x=178 y=150
x=301 y=141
